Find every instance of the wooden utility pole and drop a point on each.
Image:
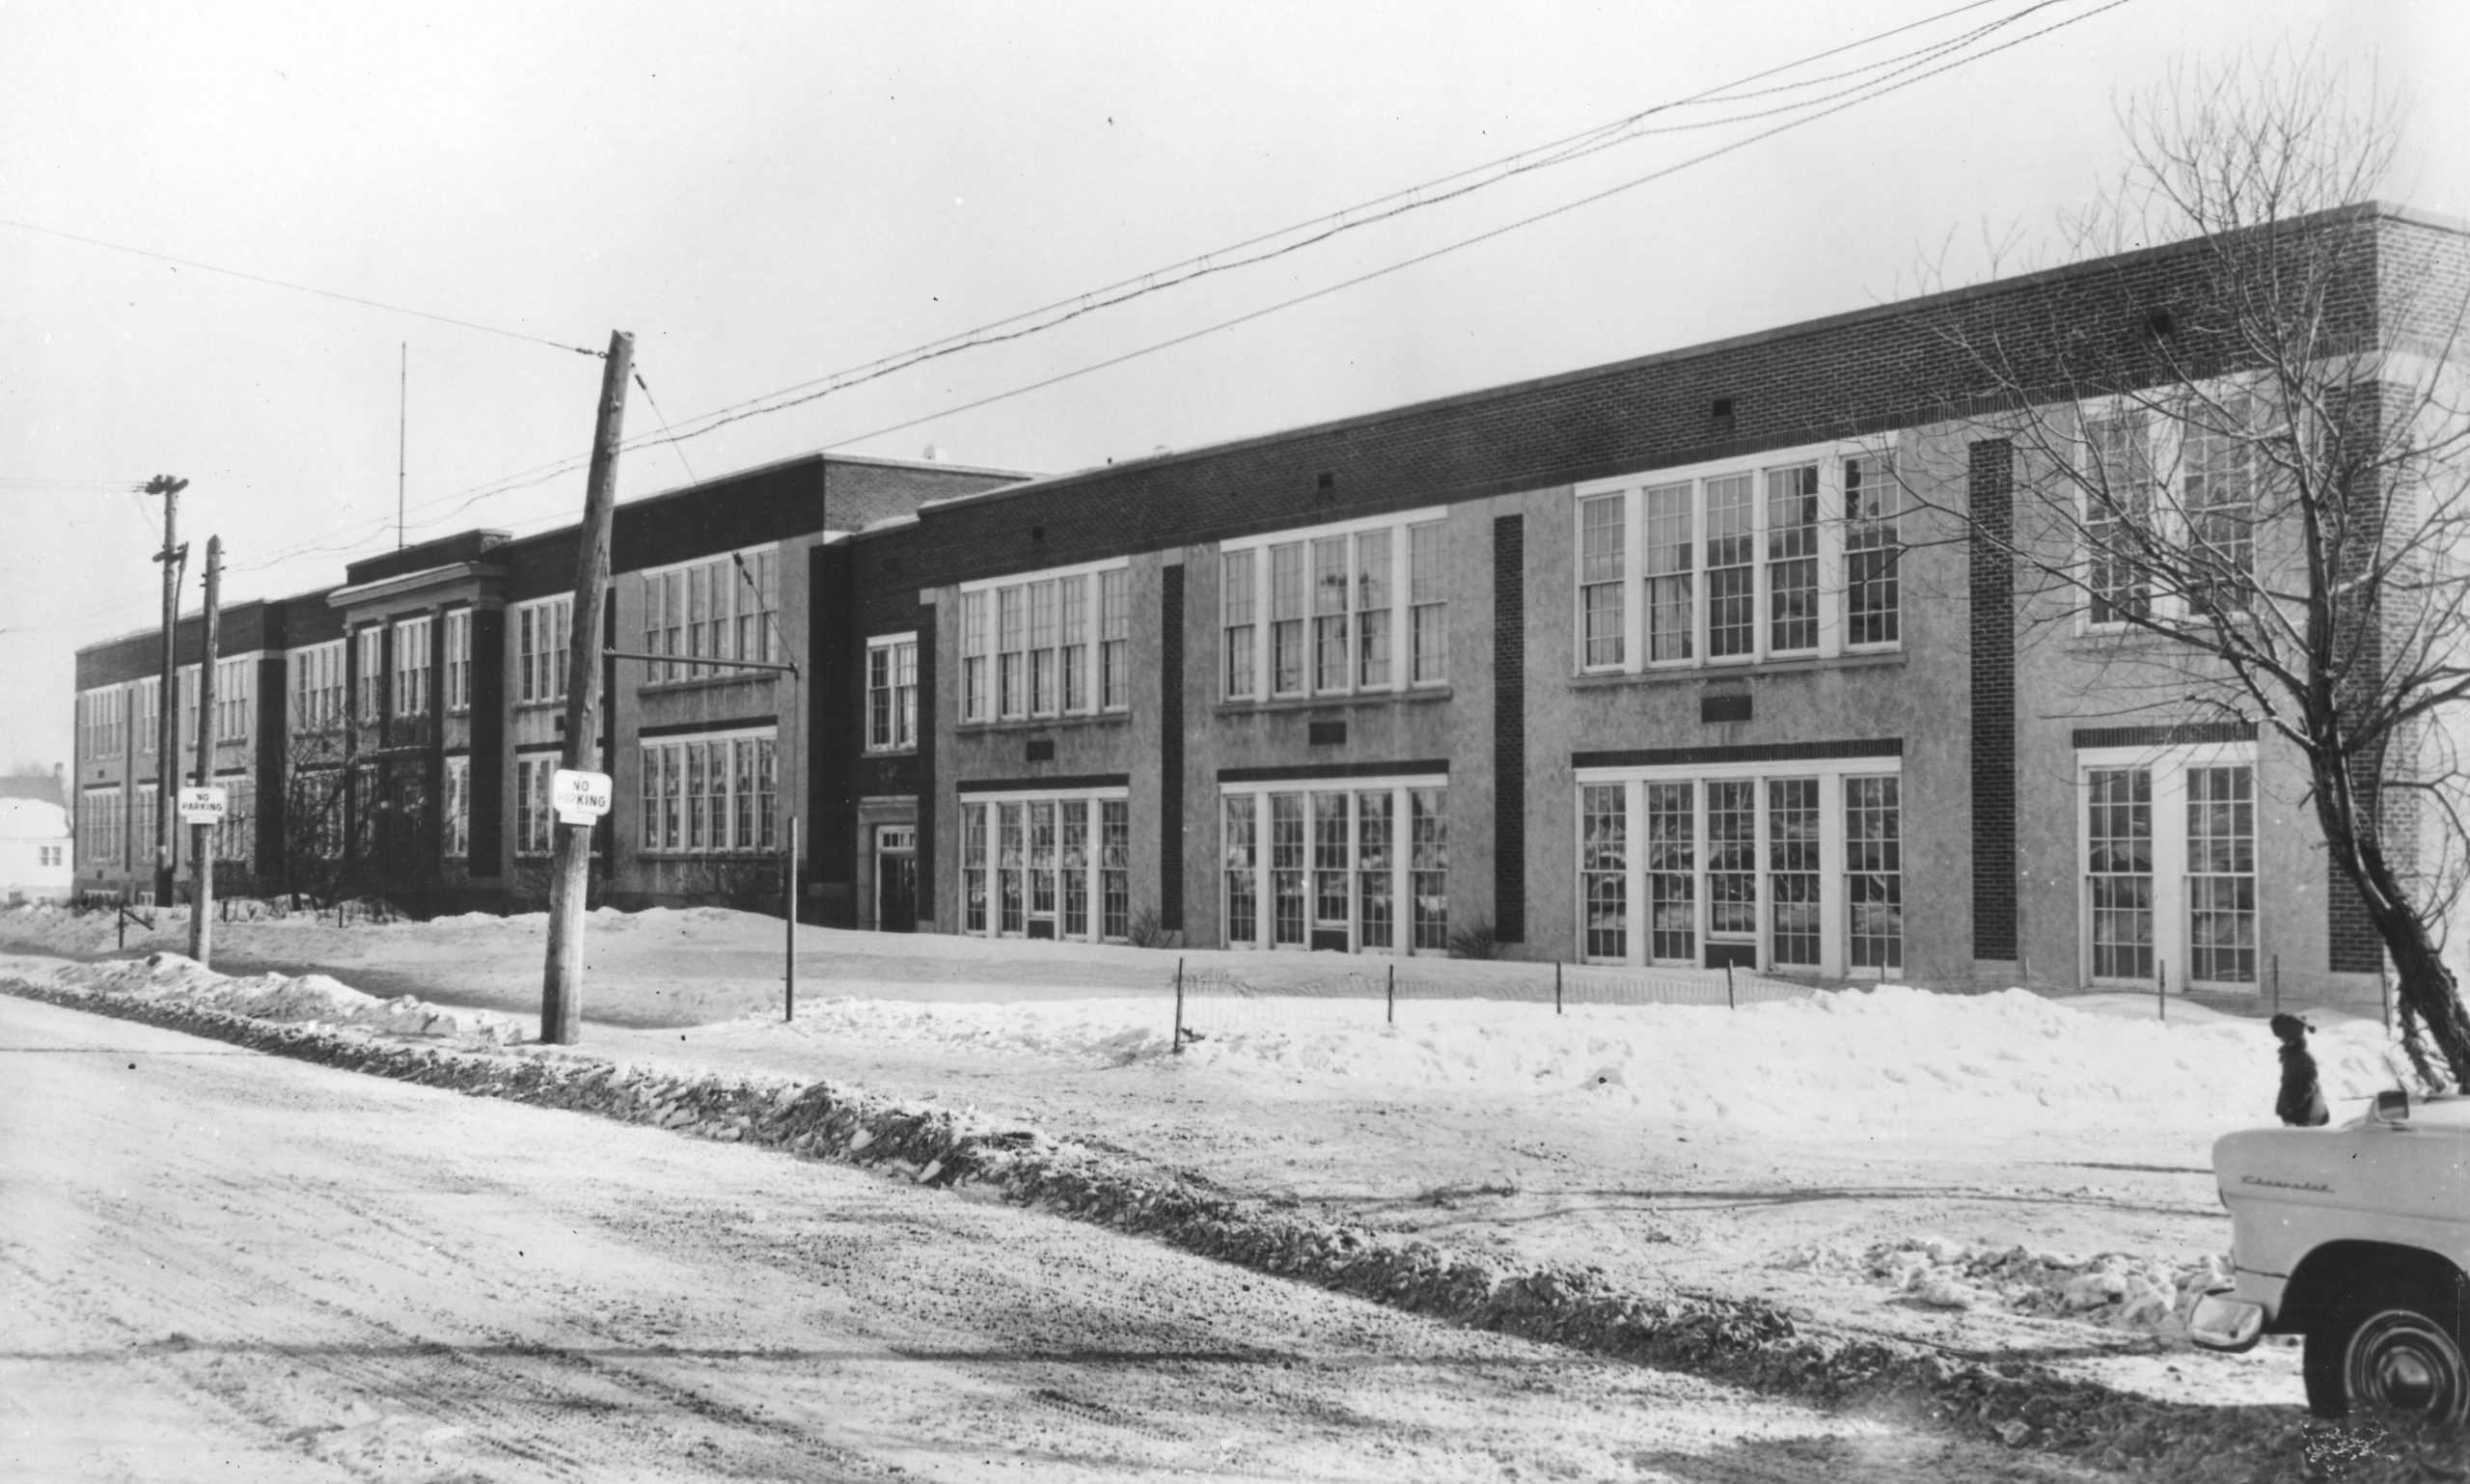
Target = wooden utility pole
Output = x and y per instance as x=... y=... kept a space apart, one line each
x=202 y=835
x=167 y=730
x=571 y=877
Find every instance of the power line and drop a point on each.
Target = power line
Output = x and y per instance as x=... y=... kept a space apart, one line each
x=277 y=282
x=1570 y=147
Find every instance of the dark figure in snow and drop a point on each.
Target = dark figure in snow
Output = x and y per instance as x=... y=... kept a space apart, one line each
x=2301 y=1104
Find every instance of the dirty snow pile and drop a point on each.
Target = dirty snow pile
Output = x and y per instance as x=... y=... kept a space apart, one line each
x=309 y=999
x=2114 y=1290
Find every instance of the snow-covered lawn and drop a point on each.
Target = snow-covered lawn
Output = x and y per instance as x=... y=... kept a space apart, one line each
x=1973 y=1168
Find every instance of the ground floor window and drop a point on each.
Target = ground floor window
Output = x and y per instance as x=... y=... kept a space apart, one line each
x=236 y=836
x=1794 y=867
x=1048 y=866
x=708 y=795
x=2168 y=866
x=459 y=809
x=1358 y=866
x=100 y=821
x=534 y=816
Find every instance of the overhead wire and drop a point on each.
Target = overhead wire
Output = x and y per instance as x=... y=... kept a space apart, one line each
x=1552 y=152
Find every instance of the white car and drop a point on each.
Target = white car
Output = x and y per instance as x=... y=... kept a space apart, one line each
x=2358 y=1238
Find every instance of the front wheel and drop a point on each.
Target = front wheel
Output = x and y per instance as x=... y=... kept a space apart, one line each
x=2394 y=1357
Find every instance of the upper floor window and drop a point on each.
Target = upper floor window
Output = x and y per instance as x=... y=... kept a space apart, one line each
x=712 y=612
x=544 y=632
x=145 y=714
x=411 y=667
x=1049 y=644
x=187 y=682
x=235 y=689
x=102 y=722
x=458 y=660
x=1798 y=557
x=2168 y=508
x=372 y=644
x=1351 y=607
x=891 y=693
x=317 y=686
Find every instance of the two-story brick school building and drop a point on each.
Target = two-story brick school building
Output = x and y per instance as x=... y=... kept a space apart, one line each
x=1692 y=659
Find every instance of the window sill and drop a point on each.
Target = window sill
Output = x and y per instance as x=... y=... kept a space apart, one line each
x=1414 y=694
x=1860 y=659
x=707 y=682
x=753 y=857
x=890 y=751
x=1045 y=723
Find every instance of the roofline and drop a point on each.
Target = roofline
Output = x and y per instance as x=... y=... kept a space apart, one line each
x=1799 y=328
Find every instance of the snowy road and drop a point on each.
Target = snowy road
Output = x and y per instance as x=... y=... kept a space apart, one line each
x=215 y=1264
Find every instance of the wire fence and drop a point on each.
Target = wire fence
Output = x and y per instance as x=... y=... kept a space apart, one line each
x=1215 y=999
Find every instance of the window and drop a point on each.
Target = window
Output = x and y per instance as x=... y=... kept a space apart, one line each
x=1046 y=867
x=2216 y=490
x=235 y=834
x=317 y=686
x=1794 y=555
x=2118 y=518
x=50 y=855
x=1336 y=598
x=891 y=693
x=702 y=614
x=371 y=646
x=100 y=826
x=1333 y=872
x=1736 y=861
x=544 y=637
x=234 y=694
x=185 y=679
x=145 y=714
x=2169 y=868
x=1602 y=543
x=411 y=668
x=1872 y=552
x=458 y=823
x=458 y=661
x=710 y=795
x=1058 y=645
x=534 y=819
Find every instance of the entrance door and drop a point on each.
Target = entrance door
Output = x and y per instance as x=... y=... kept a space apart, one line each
x=896 y=879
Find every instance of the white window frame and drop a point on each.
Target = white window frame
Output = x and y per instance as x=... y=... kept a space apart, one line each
x=235 y=689
x=1399 y=609
x=891 y=693
x=185 y=679
x=989 y=811
x=370 y=655
x=536 y=829
x=541 y=674
x=145 y=703
x=660 y=760
x=234 y=837
x=457 y=808
x=1105 y=657
x=2167 y=436
x=1834 y=905
x=731 y=623
x=409 y=666
x=317 y=675
x=1833 y=600
x=458 y=661
x=1400 y=789
x=101 y=825
x=2169 y=766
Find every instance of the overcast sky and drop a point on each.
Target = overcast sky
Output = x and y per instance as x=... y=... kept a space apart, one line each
x=767 y=195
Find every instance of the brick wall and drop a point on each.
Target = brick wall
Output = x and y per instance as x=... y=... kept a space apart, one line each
x=1992 y=503
x=1509 y=729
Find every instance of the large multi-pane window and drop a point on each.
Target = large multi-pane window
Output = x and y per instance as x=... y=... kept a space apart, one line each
x=235 y=833
x=317 y=686
x=2119 y=531
x=2169 y=867
x=101 y=824
x=458 y=660
x=1356 y=866
x=536 y=818
x=235 y=692
x=411 y=667
x=2169 y=508
x=370 y=643
x=2216 y=491
x=1052 y=644
x=891 y=693
x=1049 y=867
x=716 y=794
x=703 y=615
x=1789 y=556
x=145 y=714
x=1337 y=601
x=1792 y=866
x=544 y=636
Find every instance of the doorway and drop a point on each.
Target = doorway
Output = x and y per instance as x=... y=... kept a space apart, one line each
x=896 y=878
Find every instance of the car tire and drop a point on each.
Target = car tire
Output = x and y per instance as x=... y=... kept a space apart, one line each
x=2391 y=1355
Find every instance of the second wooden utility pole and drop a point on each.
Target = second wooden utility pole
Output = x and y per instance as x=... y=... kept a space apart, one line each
x=571 y=877
x=167 y=728
x=202 y=835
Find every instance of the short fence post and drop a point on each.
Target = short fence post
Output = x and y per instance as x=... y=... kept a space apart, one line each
x=1390 y=1017
x=2161 y=990
x=1179 y=1008
x=2276 y=983
x=2384 y=993
x=1729 y=1002
x=1556 y=986
x=121 y=910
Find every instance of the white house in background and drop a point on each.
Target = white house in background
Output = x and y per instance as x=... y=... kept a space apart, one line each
x=34 y=852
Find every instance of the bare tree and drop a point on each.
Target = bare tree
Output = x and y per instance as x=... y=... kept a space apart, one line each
x=2239 y=471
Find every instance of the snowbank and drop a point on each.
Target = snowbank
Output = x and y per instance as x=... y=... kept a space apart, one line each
x=312 y=998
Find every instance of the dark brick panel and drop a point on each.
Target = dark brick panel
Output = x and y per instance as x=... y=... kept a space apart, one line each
x=1034 y=785
x=1509 y=729
x=488 y=742
x=1171 y=749
x=2178 y=734
x=1992 y=499
x=928 y=618
x=835 y=724
x=1743 y=751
